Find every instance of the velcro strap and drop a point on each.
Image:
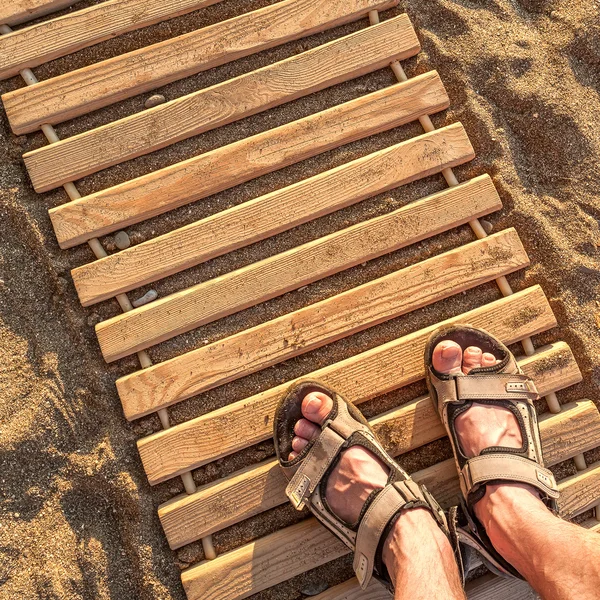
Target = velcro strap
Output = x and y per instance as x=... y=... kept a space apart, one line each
x=393 y=498
x=508 y=467
x=313 y=467
x=495 y=386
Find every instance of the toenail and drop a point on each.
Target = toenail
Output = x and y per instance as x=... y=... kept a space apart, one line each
x=450 y=352
x=313 y=404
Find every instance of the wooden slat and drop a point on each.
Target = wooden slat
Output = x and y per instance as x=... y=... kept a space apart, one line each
x=351 y=56
x=255 y=489
x=121 y=336
x=13 y=12
x=188 y=246
x=299 y=266
x=350 y=590
x=228 y=359
x=46 y=41
x=492 y=587
x=275 y=558
x=257 y=155
x=326 y=321
x=115 y=79
x=361 y=378
x=580 y=492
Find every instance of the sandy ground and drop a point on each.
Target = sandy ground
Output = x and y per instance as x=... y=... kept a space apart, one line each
x=78 y=519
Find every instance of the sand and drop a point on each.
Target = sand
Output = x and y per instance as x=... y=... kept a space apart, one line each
x=78 y=517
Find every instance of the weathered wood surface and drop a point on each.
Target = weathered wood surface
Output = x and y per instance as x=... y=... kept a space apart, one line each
x=40 y=43
x=342 y=59
x=14 y=12
x=89 y=88
x=326 y=321
x=249 y=351
x=275 y=558
x=258 y=488
x=241 y=424
x=344 y=314
x=580 y=492
x=184 y=248
x=249 y=158
x=491 y=587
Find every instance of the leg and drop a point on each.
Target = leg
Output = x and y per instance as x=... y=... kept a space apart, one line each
x=417 y=554
x=561 y=561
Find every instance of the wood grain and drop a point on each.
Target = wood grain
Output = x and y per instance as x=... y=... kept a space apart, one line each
x=249 y=351
x=40 y=43
x=258 y=488
x=140 y=328
x=236 y=163
x=194 y=243
x=309 y=262
x=325 y=321
x=580 y=492
x=13 y=12
x=274 y=558
x=340 y=60
x=109 y=81
x=360 y=378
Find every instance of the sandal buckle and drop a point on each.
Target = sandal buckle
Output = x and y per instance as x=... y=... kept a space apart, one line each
x=297 y=495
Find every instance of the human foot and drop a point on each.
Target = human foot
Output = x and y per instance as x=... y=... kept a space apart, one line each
x=483 y=426
x=358 y=473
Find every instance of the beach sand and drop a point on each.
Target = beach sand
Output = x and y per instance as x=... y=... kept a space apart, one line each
x=78 y=518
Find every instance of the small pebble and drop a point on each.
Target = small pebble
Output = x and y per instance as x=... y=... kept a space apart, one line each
x=149 y=296
x=315 y=588
x=122 y=240
x=155 y=101
x=486 y=225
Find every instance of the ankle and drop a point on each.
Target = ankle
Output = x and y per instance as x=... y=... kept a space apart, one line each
x=506 y=511
x=415 y=532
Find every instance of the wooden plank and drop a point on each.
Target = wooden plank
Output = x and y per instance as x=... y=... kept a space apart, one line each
x=299 y=266
x=228 y=359
x=122 y=336
x=13 y=12
x=188 y=246
x=361 y=378
x=350 y=590
x=225 y=167
x=109 y=81
x=492 y=587
x=180 y=249
x=275 y=558
x=580 y=492
x=340 y=60
x=46 y=41
x=326 y=321
x=253 y=490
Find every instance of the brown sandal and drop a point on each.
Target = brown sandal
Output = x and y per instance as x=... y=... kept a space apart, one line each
x=505 y=385
x=309 y=471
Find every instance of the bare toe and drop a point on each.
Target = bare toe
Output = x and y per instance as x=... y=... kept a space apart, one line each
x=447 y=357
x=316 y=407
x=306 y=429
x=472 y=358
x=488 y=360
x=298 y=444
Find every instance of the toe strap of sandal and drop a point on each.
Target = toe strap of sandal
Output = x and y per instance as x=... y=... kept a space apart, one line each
x=507 y=467
x=313 y=467
x=376 y=522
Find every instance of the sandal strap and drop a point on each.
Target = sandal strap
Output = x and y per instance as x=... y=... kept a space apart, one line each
x=313 y=467
x=507 y=467
x=484 y=386
x=387 y=504
x=495 y=386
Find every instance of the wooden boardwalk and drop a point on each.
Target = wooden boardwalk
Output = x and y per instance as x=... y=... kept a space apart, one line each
x=567 y=430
